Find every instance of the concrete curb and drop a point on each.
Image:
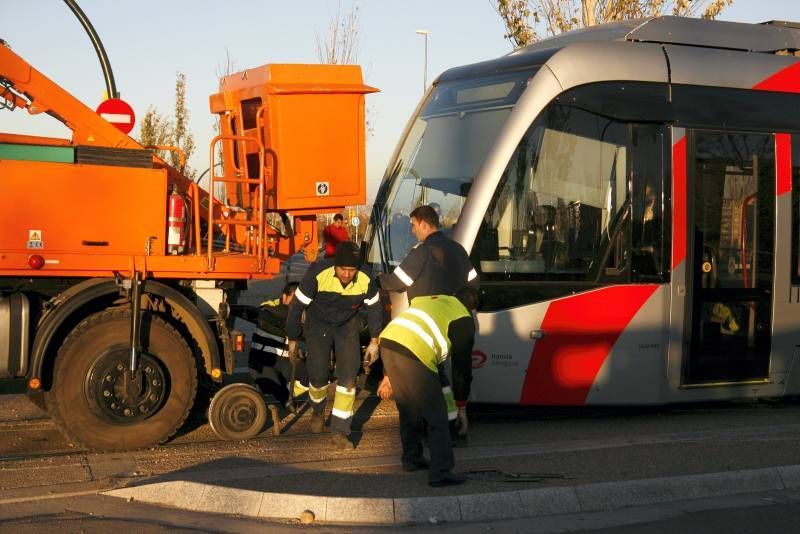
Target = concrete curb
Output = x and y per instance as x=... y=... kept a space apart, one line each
x=594 y=497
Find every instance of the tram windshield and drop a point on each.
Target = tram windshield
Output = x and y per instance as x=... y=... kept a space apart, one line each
x=442 y=152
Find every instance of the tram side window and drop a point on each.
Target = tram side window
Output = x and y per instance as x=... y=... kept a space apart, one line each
x=796 y=209
x=647 y=204
x=560 y=200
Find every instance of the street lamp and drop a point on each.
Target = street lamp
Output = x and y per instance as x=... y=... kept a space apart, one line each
x=425 y=71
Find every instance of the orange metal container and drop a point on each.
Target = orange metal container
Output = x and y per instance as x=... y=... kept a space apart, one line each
x=310 y=119
x=84 y=209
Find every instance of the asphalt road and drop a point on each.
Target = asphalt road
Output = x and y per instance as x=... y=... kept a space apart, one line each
x=572 y=445
x=47 y=484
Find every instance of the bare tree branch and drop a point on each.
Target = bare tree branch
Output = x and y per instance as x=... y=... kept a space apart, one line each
x=339 y=46
x=521 y=17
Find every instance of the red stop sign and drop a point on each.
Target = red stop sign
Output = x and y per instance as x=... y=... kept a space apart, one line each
x=117 y=112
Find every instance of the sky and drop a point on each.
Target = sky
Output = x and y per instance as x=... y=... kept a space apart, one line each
x=149 y=41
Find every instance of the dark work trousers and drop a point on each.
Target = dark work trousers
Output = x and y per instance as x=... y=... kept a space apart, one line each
x=273 y=373
x=418 y=394
x=344 y=340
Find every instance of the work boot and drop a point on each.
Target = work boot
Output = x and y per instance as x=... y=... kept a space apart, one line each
x=317 y=422
x=341 y=441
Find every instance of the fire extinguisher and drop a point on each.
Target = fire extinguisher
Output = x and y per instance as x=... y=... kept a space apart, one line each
x=176 y=223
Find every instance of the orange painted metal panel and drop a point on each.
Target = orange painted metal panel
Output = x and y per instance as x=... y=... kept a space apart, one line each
x=63 y=264
x=71 y=205
x=311 y=121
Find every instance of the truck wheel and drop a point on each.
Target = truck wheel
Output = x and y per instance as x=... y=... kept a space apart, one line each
x=98 y=403
x=238 y=412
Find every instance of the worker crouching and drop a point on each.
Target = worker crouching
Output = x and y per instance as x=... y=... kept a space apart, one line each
x=413 y=346
x=273 y=371
x=333 y=293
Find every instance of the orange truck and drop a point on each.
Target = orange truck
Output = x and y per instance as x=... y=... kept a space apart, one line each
x=118 y=273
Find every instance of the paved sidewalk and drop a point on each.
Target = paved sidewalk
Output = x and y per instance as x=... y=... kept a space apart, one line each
x=596 y=497
x=505 y=482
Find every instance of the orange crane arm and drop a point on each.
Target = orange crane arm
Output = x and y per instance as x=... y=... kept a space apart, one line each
x=36 y=93
x=25 y=87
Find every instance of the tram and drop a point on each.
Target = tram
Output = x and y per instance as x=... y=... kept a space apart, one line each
x=630 y=196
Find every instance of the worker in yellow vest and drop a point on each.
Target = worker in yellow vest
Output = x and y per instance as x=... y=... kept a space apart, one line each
x=413 y=346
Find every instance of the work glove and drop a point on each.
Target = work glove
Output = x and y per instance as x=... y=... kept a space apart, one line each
x=463 y=422
x=293 y=351
x=385 y=389
x=371 y=353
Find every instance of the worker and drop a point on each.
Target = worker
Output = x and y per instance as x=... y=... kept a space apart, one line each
x=333 y=294
x=413 y=347
x=333 y=234
x=268 y=360
x=437 y=265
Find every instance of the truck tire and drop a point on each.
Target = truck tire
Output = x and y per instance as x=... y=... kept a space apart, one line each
x=93 y=398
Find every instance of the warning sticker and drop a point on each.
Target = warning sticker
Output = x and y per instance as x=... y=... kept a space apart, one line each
x=35 y=239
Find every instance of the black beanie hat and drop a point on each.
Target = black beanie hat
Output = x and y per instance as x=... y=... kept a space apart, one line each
x=347 y=255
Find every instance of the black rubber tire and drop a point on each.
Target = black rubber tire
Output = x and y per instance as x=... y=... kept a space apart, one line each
x=238 y=412
x=67 y=399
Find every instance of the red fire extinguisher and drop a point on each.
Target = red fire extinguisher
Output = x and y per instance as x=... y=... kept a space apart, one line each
x=176 y=223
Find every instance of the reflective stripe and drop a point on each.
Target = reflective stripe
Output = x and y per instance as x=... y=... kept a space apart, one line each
x=473 y=274
x=268 y=348
x=428 y=320
x=317 y=395
x=299 y=295
x=450 y=401
x=345 y=391
x=299 y=388
x=414 y=327
x=344 y=402
x=341 y=414
x=259 y=332
x=328 y=282
x=373 y=300
x=401 y=274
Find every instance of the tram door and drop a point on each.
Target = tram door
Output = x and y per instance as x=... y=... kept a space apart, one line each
x=731 y=191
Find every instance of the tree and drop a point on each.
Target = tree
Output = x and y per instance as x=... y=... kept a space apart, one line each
x=181 y=136
x=155 y=129
x=339 y=46
x=521 y=17
x=158 y=129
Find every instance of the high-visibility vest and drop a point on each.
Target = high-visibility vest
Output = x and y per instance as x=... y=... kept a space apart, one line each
x=422 y=328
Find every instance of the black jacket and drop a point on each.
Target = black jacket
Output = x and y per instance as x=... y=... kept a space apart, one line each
x=436 y=266
x=331 y=303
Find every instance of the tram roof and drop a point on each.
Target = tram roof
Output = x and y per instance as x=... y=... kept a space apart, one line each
x=767 y=37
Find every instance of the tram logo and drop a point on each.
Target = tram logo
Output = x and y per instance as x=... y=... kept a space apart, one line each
x=479 y=359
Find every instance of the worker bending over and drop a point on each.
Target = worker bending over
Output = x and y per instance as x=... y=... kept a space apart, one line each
x=269 y=362
x=334 y=293
x=413 y=346
x=437 y=265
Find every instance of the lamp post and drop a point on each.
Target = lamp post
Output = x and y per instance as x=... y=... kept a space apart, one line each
x=425 y=71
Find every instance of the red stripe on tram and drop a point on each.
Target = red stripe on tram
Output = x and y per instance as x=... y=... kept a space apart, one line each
x=783 y=163
x=784 y=81
x=579 y=334
x=679 y=202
